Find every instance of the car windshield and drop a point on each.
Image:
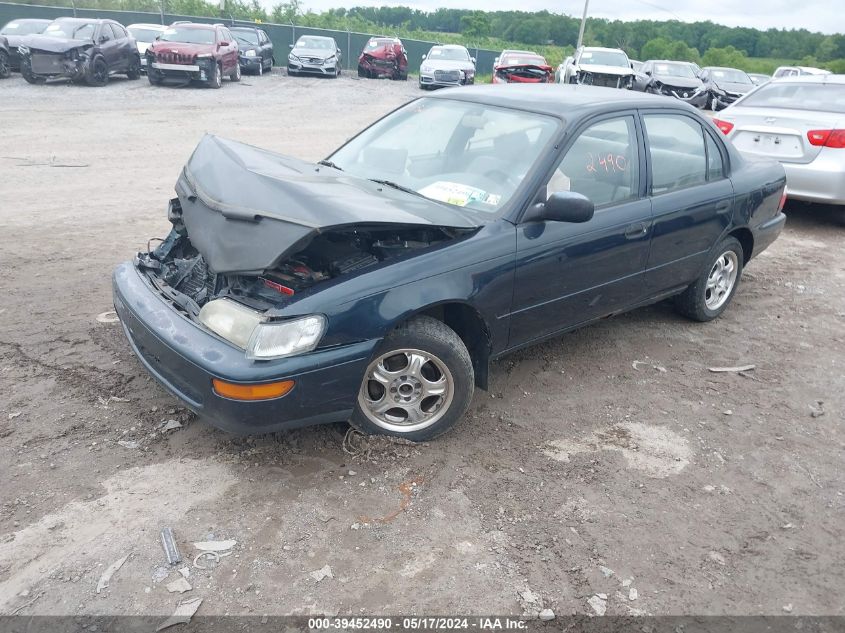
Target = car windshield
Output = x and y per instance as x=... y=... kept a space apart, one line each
x=465 y=154
x=450 y=54
x=250 y=38
x=374 y=44
x=605 y=58
x=799 y=96
x=674 y=70
x=321 y=43
x=730 y=75
x=144 y=35
x=188 y=35
x=522 y=60
x=71 y=30
x=23 y=28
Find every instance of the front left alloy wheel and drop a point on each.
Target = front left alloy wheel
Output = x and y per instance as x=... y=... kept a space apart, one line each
x=98 y=73
x=418 y=385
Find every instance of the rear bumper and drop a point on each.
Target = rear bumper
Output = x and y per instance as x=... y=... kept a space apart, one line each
x=767 y=232
x=822 y=180
x=184 y=358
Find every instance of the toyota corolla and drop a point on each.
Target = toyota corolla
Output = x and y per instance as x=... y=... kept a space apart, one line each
x=376 y=285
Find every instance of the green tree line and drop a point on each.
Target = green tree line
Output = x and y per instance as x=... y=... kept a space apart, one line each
x=552 y=34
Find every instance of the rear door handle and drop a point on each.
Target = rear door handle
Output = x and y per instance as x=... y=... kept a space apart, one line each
x=723 y=207
x=636 y=230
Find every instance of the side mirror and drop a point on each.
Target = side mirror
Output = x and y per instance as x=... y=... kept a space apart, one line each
x=423 y=57
x=103 y=39
x=290 y=45
x=472 y=59
x=648 y=72
x=222 y=44
x=562 y=206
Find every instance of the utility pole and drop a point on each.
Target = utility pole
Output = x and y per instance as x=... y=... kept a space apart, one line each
x=583 y=24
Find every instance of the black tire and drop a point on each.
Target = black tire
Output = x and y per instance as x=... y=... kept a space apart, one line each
x=154 y=77
x=261 y=68
x=28 y=75
x=98 y=72
x=5 y=67
x=433 y=339
x=693 y=302
x=235 y=75
x=134 y=70
x=216 y=79
x=361 y=72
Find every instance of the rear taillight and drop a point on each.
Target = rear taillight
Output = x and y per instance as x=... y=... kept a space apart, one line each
x=782 y=203
x=724 y=126
x=827 y=138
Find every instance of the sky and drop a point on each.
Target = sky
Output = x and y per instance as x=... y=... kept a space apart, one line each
x=827 y=16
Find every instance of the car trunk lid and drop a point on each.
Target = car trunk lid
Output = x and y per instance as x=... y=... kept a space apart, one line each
x=778 y=133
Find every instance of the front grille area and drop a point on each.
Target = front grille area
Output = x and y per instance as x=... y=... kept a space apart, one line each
x=199 y=282
x=452 y=76
x=46 y=64
x=176 y=58
x=606 y=81
x=312 y=60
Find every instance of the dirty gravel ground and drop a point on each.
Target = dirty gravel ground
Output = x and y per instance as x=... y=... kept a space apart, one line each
x=707 y=493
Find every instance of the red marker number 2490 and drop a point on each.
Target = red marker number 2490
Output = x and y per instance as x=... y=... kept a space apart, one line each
x=611 y=163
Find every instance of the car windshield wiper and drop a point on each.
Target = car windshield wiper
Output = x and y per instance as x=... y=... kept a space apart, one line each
x=328 y=163
x=396 y=185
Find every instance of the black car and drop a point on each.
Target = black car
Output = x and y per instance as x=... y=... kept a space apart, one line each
x=255 y=49
x=377 y=285
x=80 y=49
x=725 y=85
x=5 y=67
x=16 y=32
x=672 y=79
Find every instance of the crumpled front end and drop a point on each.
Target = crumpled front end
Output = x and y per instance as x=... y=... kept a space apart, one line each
x=523 y=74
x=721 y=99
x=587 y=77
x=183 y=66
x=696 y=96
x=376 y=66
x=73 y=64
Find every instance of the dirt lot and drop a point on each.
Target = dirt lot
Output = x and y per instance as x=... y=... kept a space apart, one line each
x=706 y=493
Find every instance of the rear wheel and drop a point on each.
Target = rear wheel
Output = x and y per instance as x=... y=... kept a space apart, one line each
x=712 y=292
x=98 y=72
x=134 y=70
x=5 y=68
x=418 y=385
x=261 y=68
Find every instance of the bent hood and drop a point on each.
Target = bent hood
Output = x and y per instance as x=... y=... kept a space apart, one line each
x=54 y=44
x=678 y=82
x=246 y=208
x=601 y=69
x=525 y=73
x=181 y=48
x=735 y=88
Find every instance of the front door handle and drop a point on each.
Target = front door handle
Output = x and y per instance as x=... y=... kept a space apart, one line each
x=636 y=230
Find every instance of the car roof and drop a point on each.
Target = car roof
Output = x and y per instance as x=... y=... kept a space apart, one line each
x=142 y=25
x=838 y=80
x=458 y=46
x=81 y=20
x=16 y=20
x=558 y=100
x=722 y=68
x=244 y=28
x=315 y=37
x=603 y=48
x=508 y=51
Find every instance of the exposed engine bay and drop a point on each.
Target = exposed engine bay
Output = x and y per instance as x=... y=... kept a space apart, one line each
x=181 y=273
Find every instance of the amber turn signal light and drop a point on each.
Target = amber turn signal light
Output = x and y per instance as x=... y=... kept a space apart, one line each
x=265 y=391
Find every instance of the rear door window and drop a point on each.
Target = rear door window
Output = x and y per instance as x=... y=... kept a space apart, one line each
x=677 y=152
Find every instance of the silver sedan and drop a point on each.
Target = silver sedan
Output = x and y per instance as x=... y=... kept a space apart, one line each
x=799 y=121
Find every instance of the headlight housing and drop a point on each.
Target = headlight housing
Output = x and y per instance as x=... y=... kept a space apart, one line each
x=249 y=53
x=261 y=339
x=426 y=69
x=293 y=57
x=205 y=56
x=330 y=59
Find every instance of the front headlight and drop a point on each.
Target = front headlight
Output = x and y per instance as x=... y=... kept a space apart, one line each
x=205 y=56
x=426 y=69
x=293 y=57
x=249 y=53
x=23 y=50
x=328 y=60
x=286 y=338
x=261 y=340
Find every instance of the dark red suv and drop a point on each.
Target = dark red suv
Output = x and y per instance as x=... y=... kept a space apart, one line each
x=194 y=52
x=383 y=57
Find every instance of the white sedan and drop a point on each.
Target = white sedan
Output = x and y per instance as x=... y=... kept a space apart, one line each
x=145 y=34
x=799 y=121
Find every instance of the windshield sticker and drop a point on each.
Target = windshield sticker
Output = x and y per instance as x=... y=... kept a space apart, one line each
x=458 y=194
